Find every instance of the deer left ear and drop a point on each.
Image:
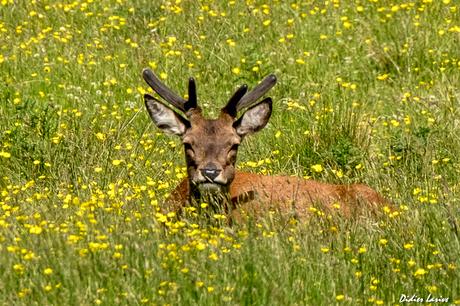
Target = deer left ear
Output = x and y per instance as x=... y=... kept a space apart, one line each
x=165 y=118
x=254 y=119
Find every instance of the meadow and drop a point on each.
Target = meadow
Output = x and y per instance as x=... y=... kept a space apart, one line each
x=368 y=91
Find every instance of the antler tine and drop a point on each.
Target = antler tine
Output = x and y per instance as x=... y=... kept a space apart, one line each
x=163 y=90
x=192 y=100
x=257 y=92
x=231 y=107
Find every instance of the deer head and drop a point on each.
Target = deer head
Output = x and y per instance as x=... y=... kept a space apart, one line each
x=210 y=145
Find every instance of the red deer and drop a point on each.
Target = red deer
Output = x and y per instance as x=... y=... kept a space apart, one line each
x=211 y=147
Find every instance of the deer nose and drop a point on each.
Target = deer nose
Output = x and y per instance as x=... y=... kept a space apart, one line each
x=210 y=171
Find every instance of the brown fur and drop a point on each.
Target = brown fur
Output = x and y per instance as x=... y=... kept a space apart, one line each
x=257 y=194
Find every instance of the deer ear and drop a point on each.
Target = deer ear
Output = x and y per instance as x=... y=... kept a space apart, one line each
x=165 y=118
x=254 y=119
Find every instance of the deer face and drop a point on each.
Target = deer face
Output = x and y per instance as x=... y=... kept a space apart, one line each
x=210 y=152
x=210 y=145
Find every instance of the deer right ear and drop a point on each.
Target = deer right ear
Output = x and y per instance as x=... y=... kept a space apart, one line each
x=254 y=119
x=165 y=118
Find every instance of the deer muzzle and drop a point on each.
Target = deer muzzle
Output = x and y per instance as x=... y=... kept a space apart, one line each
x=210 y=172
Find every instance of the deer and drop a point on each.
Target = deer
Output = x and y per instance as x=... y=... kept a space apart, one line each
x=211 y=146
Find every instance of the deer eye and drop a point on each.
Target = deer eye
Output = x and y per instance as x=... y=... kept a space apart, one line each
x=231 y=155
x=188 y=149
x=234 y=147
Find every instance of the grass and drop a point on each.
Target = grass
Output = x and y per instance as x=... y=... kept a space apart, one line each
x=368 y=92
